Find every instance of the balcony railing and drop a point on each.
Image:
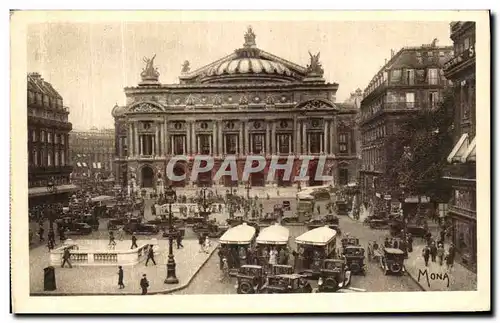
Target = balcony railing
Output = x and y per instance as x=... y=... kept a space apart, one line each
x=462 y=211
x=467 y=55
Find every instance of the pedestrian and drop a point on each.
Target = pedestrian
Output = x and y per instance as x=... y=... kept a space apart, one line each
x=318 y=208
x=281 y=256
x=66 y=257
x=395 y=244
x=207 y=244
x=426 y=253
x=224 y=271
x=50 y=244
x=409 y=240
x=442 y=234
x=51 y=236
x=40 y=233
x=144 y=284
x=387 y=243
x=201 y=242
x=134 y=242
x=112 y=242
x=178 y=239
x=151 y=256
x=440 y=254
x=433 y=249
x=273 y=255
x=450 y=257
x=120 y=277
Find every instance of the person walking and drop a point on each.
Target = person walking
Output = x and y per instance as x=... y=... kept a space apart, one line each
x=426 y=252
x=151 y=256
x=144 y=284
x=112 y=242
x=450 y=257
x=66 y=257
x=134 y=242
x=433 y=249
x=51 y=236
x=225 y=271
x=201 y=242
x=178 y=239
x=409 y=240
x=440 y=254
x=207 y=244
x=120 y=278
x=40 y=233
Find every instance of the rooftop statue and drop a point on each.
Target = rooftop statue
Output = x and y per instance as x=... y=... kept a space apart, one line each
x=149 y=72
x=315 y=66
x=185 y=67
x=249 y=38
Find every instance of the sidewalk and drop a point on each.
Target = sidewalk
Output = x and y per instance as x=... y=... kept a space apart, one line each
x=104 y=280
x=440 y=278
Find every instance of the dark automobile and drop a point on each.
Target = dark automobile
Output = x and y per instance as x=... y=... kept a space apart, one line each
x=349 y=241
x=355 y=259
x=392 y=261
x=212 y=230
x=397 y=227
x=116 y=223
x=78 y=228
x=378 y=223
x=333 y=276
x=250 y=279
x=90 y=220
x=287 y=283
x=290 y=218
x=140 y=228
x=178 y=231
x=341 y=207
x=195 y=219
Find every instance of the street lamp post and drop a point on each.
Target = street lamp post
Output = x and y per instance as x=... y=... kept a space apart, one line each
x=248 y=186
x=171 y=196
x=204 y=204
x=402 y=199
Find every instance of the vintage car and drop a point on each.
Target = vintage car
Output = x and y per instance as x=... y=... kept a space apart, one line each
x=78 y=228
x=280 y=270
x=286 y=206
x=349 y=241
x=355 y=259
x=117 y=223
x=250 y=279
x=334 y=276
x=392 y=261
x=91 y=220
x=141 y=228
x=212 y=230
x=238 y=239
x=341 y=207
x=287 y=283
x=415 y=230
x=195 y=219
x=178 y=231
x=379 y=223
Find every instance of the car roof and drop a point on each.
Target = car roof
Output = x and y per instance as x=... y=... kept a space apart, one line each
x=291 y=276
x=251 y=266
x=394 y=251
x=353 y=247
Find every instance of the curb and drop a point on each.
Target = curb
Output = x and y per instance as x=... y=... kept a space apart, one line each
x=164 y=292
x=416 y=281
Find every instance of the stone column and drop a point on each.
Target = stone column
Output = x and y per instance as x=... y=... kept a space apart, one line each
x=289 y=143
x=305 y=148
x=120 y=147
x=325 y=137
x=240 y=140
x=157 y=139
x=268 y=141
x=141 y=144
x=213 y=142
x=247 y=139
x=198 y=144
x=188 y=137
x=273 y=138
x=130 y=140
x=210 y=145
x=136 y=139
x=296 y=127
x=193 y=138
x=333 y=136
x=220 y=143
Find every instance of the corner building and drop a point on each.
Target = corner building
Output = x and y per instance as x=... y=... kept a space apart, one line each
x=249 y=102
x=411 y=80
x=461 y=173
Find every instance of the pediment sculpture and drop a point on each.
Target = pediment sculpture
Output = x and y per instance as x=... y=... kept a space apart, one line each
x=315 y=105
x=217 y=100
x=145 y=107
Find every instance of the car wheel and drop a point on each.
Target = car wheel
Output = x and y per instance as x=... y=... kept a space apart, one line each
x=245 y=288
x=395 y=268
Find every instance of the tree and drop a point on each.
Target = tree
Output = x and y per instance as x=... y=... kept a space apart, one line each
x=419 y=151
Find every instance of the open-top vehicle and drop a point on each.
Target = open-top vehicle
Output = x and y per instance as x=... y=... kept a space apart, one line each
x=392 y=261
x=341 y=207
x=349 y=241
x=78 y=228
x=250 y=279
x=334 y=276
x=275 y=236
x=235 y=243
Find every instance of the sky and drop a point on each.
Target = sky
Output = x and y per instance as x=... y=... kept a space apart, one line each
x=89 y=64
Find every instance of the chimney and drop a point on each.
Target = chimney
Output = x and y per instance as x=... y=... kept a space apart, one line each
x=392 y=52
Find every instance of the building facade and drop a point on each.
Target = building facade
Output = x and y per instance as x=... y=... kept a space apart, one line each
x=92 y=151
x=48 y=130
x=461 y=69
x=412 y=79
x=249 y=102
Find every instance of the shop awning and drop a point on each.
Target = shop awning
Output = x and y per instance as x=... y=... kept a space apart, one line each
x=461 y=149
x=41 y=191
x=470 y=154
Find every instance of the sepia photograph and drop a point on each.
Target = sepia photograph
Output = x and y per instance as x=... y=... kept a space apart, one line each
x=207 y=157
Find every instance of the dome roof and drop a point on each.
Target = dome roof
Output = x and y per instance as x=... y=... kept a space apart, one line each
x=118 y=111
x=246 y=65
